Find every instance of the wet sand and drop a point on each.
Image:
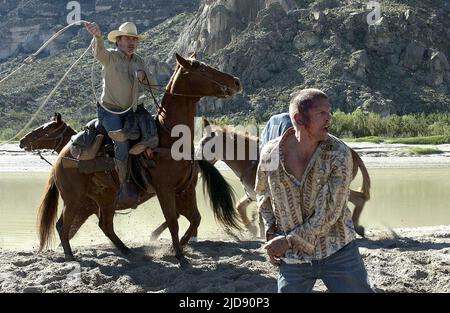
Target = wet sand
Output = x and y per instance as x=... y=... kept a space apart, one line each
x=409 y=260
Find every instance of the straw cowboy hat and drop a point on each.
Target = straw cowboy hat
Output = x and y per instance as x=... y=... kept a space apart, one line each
x=126 y=29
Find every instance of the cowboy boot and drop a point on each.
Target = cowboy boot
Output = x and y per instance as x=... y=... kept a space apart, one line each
x=149 y=138
x=130 y=130
x=127 y=196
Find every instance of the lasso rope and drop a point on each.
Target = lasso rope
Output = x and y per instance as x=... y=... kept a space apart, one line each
x=31 y=59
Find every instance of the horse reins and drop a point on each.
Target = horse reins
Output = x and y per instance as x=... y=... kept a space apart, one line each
x=42 y=158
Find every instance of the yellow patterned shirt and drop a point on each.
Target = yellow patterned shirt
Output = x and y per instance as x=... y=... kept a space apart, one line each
x=313 y=212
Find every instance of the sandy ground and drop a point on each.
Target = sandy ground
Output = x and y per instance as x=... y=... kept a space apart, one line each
x=401 y=260
x=398 y=155
x=409 y=260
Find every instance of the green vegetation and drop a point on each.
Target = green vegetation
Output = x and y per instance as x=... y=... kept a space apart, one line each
x=373 y=139
x=424 y=151
x=370 y=126
x=431 y=140
x=428 y=129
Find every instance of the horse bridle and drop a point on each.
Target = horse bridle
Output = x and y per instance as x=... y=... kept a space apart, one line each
x=223 y=88
x=47 y=137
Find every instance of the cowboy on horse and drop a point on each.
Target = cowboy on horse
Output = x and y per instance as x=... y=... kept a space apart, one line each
x=120 y=110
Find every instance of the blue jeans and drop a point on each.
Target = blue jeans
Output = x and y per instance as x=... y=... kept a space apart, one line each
x=113 y=122
x=341 y=272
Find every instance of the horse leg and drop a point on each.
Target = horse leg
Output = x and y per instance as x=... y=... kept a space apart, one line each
x=79 y=220
x=63 y=227
x=242 y=210
x=189 y=209
x=194 y=218
x=194 y=237
x=262 y=230
x=158 y=231
x=168 y=206
x=106 y=224
x=59 y=224
x=358 y=199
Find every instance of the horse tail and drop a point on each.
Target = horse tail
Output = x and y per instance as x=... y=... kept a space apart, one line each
x=47 y=213
x=220 y=193
x=365 y=189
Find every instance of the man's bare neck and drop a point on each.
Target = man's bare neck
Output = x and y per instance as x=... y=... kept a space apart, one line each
x=304 y=144
x=297 y=152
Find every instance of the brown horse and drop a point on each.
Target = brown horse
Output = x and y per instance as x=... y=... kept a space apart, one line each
x=245 y=167
x=53 y=135
x=174 y=181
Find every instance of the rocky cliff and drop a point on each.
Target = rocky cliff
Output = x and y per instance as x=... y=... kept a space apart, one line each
x=400 y=64
x=25 y=25
x=218 y=21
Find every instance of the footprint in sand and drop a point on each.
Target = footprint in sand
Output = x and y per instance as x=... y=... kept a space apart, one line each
x=26 y=262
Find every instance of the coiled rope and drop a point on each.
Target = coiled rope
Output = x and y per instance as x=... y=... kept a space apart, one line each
x=31 y=59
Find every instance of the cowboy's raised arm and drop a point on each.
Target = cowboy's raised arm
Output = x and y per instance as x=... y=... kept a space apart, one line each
x=100 y=51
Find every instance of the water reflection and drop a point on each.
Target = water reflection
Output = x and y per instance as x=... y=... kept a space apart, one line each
x=399 y=198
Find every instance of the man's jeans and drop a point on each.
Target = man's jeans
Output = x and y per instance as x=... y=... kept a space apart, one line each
x=342 y=271
x=113 y=122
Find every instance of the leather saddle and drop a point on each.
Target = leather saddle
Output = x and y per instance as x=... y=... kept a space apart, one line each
x=91 y=149
x=86 y=144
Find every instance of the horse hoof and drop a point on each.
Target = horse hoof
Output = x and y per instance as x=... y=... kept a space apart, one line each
x=184 y=263
x=126 y=252
x=360 y=230
x=70 y=258
x=184 y=242
x=193 y=239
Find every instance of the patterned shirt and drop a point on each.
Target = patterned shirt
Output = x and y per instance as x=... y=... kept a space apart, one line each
x=121 y=88
x=311 y=213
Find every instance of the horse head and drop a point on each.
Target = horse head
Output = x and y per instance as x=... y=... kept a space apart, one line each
x=193 y=78
x=47 y=136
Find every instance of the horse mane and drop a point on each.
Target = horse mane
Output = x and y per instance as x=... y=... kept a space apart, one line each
x=172 y=78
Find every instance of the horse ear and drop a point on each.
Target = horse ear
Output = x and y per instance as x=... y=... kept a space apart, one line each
x=205 y=122
x=182 y=61
x=208 y=128
x=194 y=55
x=57 y=117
